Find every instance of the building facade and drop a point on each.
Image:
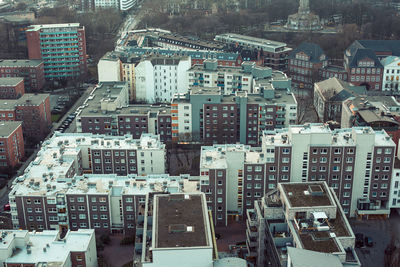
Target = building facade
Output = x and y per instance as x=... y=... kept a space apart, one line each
x=31 y=70
x=11 y=88
x=62 y=47
x=33 y=110
x=71 y=248
x=274 y=54
x=158 y=79
x=206 y=114
x=329 y=96
x=304 y=63
x=391 y=73
x=11 y=144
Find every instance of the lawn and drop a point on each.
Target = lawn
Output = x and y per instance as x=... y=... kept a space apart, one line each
x=55 y=117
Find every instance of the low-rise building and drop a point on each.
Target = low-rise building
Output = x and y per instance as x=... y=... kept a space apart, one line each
x=300 y=218
x=11 y=88
x=274 y=53
x=11 y=144
x=48 y=248
x=31 y=70
x=329 y=96
x=33 y=110
x=304 y=63
x=333 y=71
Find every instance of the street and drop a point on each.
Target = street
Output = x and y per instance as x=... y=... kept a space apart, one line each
x=79 y=102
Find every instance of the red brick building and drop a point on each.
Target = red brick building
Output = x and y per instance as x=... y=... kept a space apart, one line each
x=31 y=70
x=62 y=47
x=11 y=88
x=33 y=110
x=11 y=144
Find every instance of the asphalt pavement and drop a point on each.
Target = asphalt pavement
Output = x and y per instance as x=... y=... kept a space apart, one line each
x=79 y=102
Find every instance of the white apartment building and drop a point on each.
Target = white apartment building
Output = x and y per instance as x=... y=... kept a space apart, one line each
x=391 y=73
x=394 y=199
x=159 y=78
x=127 y=4
x=357 y=163
x=109 y=68
x=48 y=248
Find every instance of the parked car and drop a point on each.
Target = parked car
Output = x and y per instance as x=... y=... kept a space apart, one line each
x=359 y=240
x=368 y=241
x=7 y=207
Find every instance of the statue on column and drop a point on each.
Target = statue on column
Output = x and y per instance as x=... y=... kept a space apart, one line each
x=304 y=7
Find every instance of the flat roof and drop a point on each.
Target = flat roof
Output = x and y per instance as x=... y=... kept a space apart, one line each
x=57 y=251
x=20 y=62
x=51 y=26
x=11 y=81
x=181 y=221
x=250 y=39
x=8 y=127
x=317 y=194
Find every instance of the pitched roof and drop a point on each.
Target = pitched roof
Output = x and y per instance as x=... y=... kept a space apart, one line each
x=362 y=53
x=312 y=50
x=377 y=46
x=389 y=60
x=334 y=89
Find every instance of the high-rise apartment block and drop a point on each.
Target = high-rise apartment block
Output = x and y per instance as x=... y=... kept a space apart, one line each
x=11 y=88
x=31 y=70
x=62 y=47
x=34 y=112
x=357 y=163
x=48 y=248
x=11 y=144
x=297 y=224
x=159 y=78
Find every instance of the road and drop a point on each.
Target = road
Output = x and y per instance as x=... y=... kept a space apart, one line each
x=79 y=102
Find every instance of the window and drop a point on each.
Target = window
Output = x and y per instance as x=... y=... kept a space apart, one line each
x=350 y=151
x=38 y=210
x=102 y=199
x=103 y=208
x=51 y=201
x=129 y=208
x=220 y=200
x=346 y=194
x=388 y=151
x=95 y=216
x=93 y=199
x=81 y=208
x=219 y=173
x=129 y=200
x=82 y=216
x=285 y=150
x=94 y=208
x=271 y=186
x=80 y=199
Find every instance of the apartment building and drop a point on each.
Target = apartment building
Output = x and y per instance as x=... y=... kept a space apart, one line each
x=300 y=223
x=175 y=41
x=103 y=154
x=86 y=5
x=106 y=4
x=303 y=64
x=113 y=116
x=159 y=78
x=62 y=47
x=357 y=163
x=391 y=73
x=333 y=71
x=33 y=110
x=109 y=68
x=197 y=56
x=104 y=202
x=31 y=70
x=11 y=88
x=274 y=53
x=329 y=96
x=178 y=232
x=11 y=144
x=206 y=114
x=48 y=248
